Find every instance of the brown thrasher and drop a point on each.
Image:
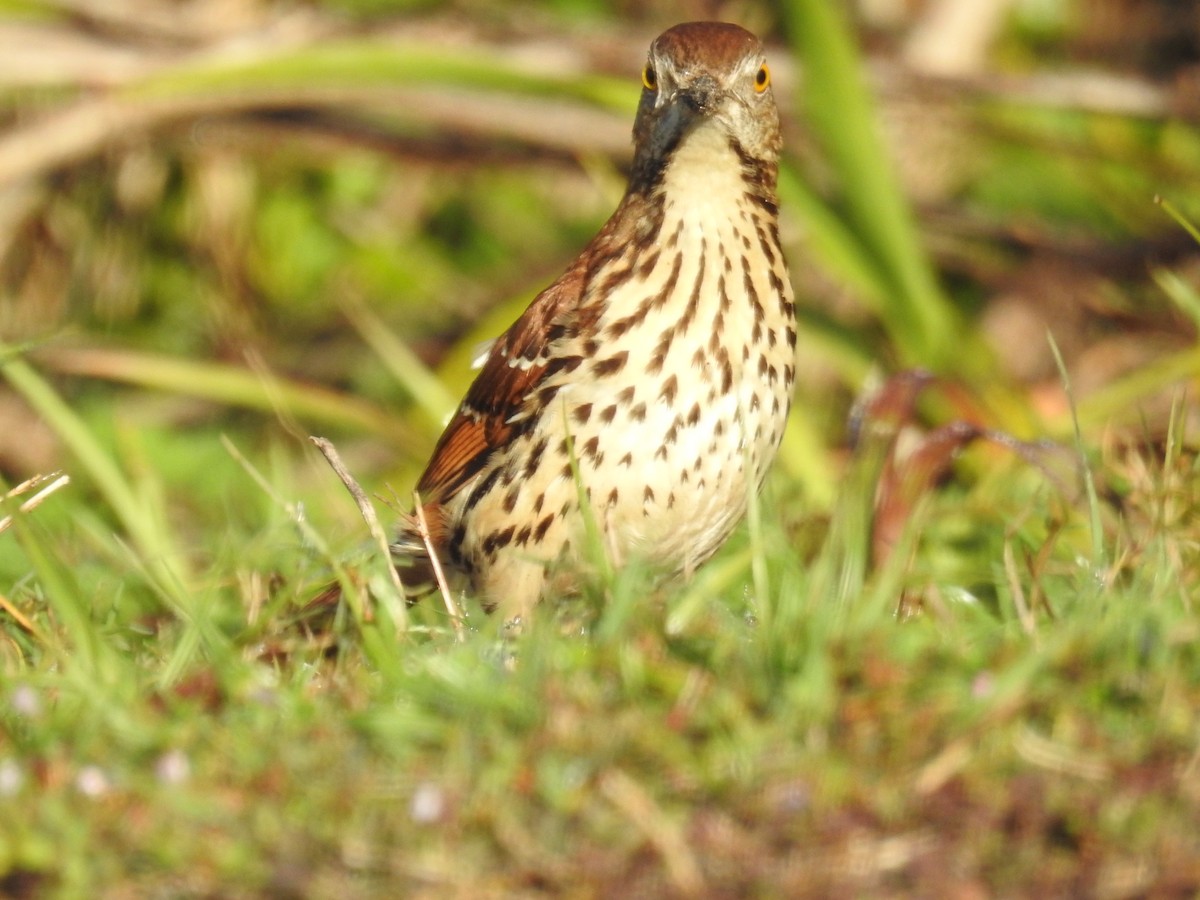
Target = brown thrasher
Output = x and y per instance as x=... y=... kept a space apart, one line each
x=654 y=377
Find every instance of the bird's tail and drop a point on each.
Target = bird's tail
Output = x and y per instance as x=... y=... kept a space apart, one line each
x=410 y=554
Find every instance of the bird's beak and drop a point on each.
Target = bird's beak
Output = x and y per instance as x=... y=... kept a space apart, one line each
x=663 y=121
x=691 y=102
x=701 y=94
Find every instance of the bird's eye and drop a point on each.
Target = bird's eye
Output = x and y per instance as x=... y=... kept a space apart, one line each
x=762 y=78
x=650 y=78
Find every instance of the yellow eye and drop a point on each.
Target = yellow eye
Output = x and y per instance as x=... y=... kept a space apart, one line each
x=762 y=78
x=650 y=78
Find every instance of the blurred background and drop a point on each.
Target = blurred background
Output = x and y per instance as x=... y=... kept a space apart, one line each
x=263 y=220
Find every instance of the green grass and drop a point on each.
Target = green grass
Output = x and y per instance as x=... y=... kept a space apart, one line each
x=794 y=739
x=1003 y=706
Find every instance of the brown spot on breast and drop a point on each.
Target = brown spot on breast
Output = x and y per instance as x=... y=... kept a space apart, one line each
x=482 y=489
x=660 y=351
x=498 y=540
x=660 y=299
x=673 y=243
x=765 y=245
x=622 y=325
x=646 y=266
x=543 y=526
x=611 y=365
x=669 y=389
x=562 y=365
x=693 y=304
x=535 y=456
x=608 y=413
x=619 y=327
x=748 y=283
x=582 y=413
x=510 y=474
x=726 y=372
x=777 y=286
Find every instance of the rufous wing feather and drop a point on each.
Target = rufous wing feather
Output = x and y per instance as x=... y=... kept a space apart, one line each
x=492 y=411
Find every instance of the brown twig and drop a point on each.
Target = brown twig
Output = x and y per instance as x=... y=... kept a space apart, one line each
x=365 y=509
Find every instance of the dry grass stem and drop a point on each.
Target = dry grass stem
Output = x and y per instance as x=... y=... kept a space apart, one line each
x=1024 y=614
x=644 y=813
x=438 y=574
x=18 y=616
x=365 y=508
x=57 y=480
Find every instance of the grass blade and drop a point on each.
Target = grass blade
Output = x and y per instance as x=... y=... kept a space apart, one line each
x=841 y=112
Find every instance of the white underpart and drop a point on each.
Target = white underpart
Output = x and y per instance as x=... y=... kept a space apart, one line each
x=704 y=183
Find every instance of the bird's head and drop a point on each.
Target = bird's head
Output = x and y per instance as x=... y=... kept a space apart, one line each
x=705 y=75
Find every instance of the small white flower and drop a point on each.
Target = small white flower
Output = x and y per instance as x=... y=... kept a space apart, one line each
x=92 y=782
x=173 y=767
x=428 y=803
x=982 y=685
x=26 y=701
x=12 y=777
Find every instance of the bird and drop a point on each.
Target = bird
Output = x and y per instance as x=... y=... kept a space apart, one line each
x=644 y=393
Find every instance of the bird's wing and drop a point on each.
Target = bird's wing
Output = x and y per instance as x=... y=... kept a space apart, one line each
x=495 y=408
